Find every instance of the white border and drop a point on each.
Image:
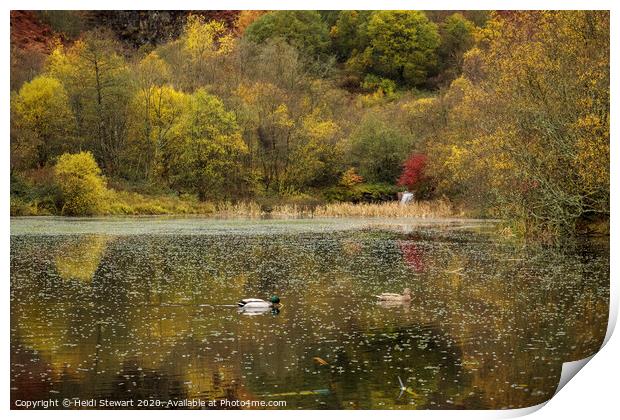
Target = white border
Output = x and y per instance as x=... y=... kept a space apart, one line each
x=593 y=394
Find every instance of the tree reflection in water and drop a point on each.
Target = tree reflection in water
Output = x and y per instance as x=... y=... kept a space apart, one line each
x=141 y=316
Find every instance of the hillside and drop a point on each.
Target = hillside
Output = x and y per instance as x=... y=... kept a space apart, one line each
x=503 y=114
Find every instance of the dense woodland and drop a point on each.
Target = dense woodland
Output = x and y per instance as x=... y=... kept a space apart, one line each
x=502 y=114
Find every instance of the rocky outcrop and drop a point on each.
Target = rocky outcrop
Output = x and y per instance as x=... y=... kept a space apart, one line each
x=152 y=27
x=29 y=33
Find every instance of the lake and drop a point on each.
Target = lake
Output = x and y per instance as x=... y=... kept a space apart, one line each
x=143 y=308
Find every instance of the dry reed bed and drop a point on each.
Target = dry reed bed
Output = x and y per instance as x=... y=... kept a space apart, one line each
x=239 y=209
x=437 y=208
x=422 y=209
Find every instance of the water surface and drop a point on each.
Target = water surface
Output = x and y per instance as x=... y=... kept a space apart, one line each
x=121 y=308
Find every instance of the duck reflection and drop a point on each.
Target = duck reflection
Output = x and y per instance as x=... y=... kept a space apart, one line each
x=395 y=304
x=258 y=311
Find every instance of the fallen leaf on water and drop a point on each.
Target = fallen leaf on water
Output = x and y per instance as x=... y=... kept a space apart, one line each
x=319 y=361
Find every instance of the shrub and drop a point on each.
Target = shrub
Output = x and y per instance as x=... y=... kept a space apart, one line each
x=350 y=178
x=362 y=193
x=19 y=207
x=414 y=177
x=82 y=187
x=375 y=83
x=413 y=170
x=378 y=149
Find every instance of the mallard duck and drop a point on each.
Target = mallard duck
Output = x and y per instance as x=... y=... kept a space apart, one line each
x=395 y=297
x=258 y=304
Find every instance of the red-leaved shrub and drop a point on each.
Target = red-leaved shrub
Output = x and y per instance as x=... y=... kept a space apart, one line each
x=413 y=171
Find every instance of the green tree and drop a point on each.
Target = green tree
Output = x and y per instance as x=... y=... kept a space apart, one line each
x=350 y=33
x=402 y=45
x=82 y=187
x=42 y=123
x=303 y=29
x=378 y=150
x=209 y=158
x=457 y=36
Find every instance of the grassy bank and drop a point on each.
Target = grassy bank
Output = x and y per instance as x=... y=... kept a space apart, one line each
x=78 y=192
x=131 y=203
x=118 y=203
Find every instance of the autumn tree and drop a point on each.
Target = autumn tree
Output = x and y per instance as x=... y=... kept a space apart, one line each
x=156 y=131
x=246 y=18
x=520 y=136
x=209 y=157
x=414 y=175
x=316 y=156
x=422 y=118
x=272 y=128
x=26 y=64
x=97 y=81
x=81 y=184
x=349 y=34
x=203 y=45
x=42 y=123
x=278 y=63
x=155 y=114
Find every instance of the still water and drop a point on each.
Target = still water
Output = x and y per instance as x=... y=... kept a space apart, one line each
x=142 y=308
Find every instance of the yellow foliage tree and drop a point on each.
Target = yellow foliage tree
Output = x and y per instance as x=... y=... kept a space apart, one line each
x=527 y=135
x=269 y=130
x=155 y=113
x=97 y=81
x=203 y=44
x=209 y=157
x=316 y=152
x=42 y=123
x=82 y=186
